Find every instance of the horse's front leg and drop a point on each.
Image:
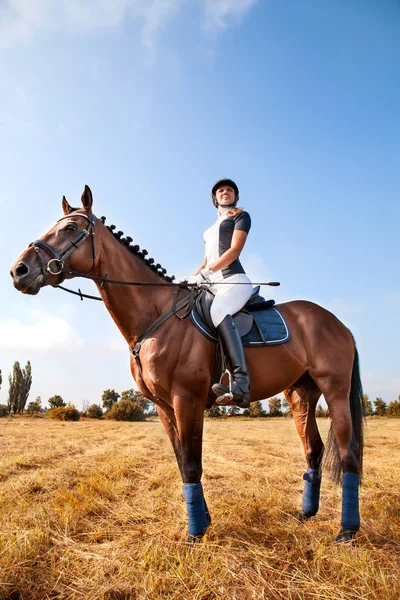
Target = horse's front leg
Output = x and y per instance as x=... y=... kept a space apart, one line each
x=189 y=413
x=167 y=417
x=184 y=425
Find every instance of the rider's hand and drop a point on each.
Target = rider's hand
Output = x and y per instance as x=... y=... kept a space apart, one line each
x=206 y=274
x=200 y=278
x=195 y=279
x=183 y=279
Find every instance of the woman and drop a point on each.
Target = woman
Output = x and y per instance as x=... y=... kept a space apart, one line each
x=221 y=266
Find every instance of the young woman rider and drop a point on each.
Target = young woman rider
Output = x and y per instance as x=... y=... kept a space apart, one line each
x=221 y=266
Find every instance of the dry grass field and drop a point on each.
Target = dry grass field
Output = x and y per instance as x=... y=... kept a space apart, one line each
x=95 y=510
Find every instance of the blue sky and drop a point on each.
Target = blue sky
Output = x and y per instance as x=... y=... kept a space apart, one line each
x=149 y=102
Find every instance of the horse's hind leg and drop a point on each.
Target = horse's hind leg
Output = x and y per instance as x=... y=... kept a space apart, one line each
x=303 y=398
x=343 y=394
x=340 y=414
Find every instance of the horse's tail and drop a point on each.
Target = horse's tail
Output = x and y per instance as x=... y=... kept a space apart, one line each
x=332 y=458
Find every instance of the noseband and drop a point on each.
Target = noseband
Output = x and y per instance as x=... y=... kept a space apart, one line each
x=59 y=257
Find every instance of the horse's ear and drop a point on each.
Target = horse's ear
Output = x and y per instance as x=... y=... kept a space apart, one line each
x=87 y=198
x=65 y=206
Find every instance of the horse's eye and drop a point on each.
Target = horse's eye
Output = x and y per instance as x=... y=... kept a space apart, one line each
x=70 y=227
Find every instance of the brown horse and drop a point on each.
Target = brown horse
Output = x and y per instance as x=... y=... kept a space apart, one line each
x=176 y=361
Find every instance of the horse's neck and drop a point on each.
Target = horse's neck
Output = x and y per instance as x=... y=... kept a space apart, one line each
x=133 y=308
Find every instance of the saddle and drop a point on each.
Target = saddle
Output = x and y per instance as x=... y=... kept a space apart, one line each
x=258 y=322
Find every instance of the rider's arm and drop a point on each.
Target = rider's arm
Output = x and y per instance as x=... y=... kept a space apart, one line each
x=203 y=264
x=238 y=241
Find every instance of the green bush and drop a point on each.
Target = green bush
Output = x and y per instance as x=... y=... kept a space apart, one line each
x=214 y=412
x=94 y=412
x=65 y=413
x=126 y=410
x=256 y=410
x=393 y=410
x=56 y=401
x=35 y=406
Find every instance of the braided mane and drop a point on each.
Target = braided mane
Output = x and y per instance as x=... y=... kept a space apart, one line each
x=135 y=249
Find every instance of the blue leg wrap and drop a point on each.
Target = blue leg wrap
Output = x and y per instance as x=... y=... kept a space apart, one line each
x=312 y=486
x=208 y=516
x=196 y=509
x=350 y=505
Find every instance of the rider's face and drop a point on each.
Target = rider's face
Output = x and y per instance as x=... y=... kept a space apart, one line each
x=225 y=195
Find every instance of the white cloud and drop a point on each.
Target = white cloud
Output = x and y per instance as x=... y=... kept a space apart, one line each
x=219 y=13
x=22 y=20
x=155 y=13
x=45 y=334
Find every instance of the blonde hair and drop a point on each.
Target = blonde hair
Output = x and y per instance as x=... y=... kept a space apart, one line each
x=234 y=211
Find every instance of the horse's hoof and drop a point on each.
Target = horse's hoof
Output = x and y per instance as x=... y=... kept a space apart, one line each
x=302 y=516
x=194 y=539
x=346 y=536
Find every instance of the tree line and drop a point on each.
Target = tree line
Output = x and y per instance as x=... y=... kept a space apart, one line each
x=381 y=408
x=131 y=405
x=280 y=408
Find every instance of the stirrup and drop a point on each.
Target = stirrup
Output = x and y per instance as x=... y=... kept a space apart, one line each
x=228 y=396
x=230 y=399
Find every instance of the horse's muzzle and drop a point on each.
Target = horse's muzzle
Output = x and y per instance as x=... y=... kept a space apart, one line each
x=26 y=279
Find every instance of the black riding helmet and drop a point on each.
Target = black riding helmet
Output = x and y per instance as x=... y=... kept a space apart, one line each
x=219 y=184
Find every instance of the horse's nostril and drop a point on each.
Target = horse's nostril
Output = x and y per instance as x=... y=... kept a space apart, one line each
x=21 y=269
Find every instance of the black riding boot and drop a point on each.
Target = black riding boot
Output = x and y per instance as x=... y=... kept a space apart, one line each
x=232 y=345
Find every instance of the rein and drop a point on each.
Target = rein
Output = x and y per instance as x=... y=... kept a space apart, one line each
x=184 y=284
x=58 y=259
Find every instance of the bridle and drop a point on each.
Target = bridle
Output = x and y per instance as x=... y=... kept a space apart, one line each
x=59 y=257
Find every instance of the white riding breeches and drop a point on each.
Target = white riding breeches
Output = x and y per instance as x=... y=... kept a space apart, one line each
x=229 y=298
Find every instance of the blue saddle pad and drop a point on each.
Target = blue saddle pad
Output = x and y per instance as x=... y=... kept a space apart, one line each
x=272 y=324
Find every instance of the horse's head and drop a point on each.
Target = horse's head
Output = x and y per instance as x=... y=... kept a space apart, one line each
x=44 y=261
